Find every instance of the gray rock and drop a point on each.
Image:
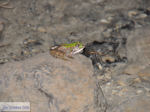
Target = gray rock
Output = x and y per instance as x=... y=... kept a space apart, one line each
x=49 y=84
x=124 y=5
x=138 y=52
x=137 y=104
x=127 y=89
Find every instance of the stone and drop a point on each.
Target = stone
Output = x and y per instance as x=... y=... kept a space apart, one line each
x=108 y=58
x=42 y=30
x=104 y=21
x=145 y=72
x=138 y=53
x=137 y=104
x=126 y=93
x=132 y=13
x=49 y=84
x=141 y=16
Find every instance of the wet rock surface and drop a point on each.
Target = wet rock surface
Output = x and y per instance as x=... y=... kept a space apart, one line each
x=117 y=39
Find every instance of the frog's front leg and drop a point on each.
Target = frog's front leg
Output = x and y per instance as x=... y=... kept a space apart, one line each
x=70 y=56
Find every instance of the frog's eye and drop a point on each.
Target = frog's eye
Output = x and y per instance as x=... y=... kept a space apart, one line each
x=80 y=46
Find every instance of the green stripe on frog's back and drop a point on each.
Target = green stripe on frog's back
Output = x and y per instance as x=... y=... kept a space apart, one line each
x=72 y=45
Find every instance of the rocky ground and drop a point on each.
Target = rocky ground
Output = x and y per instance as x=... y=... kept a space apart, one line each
x=118 y=83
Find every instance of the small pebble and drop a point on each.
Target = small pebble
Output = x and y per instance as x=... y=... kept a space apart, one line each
x=99 y=66
x=139 y=91
x=108 y=84
x=25 y=53
x=32 y=41
x=108 y=59
x=3 y=60
x=110 y=18
x=132 y=13
x=29 y=41
x=104 y=21
x=41 y=29
x=141 y=16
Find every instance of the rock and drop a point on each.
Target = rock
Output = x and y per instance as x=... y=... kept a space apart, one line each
x=136 y=14
x=104 y=21
x=138 y=52
x=126 y=93
x=124 y=5
x=3 y=60
x=141 y=16
x=108 y=58
x=41 y=29
x=32 y=41
x=132 y=13
x=144 y=72
x=137 y=104
x=128 y=89
x=49 y=84
x=100 y=100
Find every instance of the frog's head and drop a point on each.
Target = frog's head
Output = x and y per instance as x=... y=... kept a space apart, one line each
x=78 y=47
x=75 y=47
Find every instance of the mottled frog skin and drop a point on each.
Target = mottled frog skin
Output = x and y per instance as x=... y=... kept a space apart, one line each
x=66 y=51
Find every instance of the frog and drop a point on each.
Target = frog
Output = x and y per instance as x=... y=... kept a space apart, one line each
x=66 y=51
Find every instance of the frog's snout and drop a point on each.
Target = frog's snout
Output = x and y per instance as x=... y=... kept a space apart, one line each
x=54 y=47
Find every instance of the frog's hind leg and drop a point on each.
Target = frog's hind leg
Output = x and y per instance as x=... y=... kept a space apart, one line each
x=61 y=56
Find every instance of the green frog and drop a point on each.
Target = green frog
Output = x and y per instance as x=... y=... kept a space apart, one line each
x=66 y=51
